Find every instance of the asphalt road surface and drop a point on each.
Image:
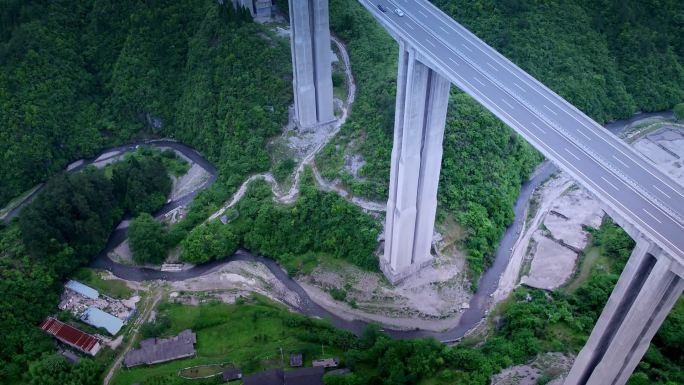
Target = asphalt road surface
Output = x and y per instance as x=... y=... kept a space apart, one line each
x=601 y=162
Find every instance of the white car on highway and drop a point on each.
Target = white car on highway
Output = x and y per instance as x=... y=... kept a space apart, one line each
x=399 y=12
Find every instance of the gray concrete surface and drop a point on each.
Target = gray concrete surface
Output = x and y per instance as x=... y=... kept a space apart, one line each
x=421 y=107
x=630 y=186
x=645 y=293
x=311 y=62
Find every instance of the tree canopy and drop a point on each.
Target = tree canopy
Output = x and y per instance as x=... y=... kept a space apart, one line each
x=76 y=77
x=148 y=240
x=65 y=227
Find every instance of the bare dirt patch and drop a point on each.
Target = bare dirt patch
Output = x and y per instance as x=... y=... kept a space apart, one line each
x=552 y=265
x=431 y=299
x=241 y=276
x=545 y=196
x=564 y=208
x=665 y=147
x=192 y=180
x=550 y=366
x=122 y=254
x=569 y=214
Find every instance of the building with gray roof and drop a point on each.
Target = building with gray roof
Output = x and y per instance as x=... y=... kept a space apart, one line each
x=156 y=350
x=304 y=376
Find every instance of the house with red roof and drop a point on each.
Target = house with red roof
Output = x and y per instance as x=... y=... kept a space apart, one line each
x=71 y=336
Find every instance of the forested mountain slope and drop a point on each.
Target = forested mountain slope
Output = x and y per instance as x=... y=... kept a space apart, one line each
x=610 y=58
x=76 y=77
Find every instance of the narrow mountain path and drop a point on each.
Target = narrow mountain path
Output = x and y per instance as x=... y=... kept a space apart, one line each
x=150 y=305
x=288 y=197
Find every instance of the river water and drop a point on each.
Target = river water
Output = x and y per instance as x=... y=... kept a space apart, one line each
x=479 y=303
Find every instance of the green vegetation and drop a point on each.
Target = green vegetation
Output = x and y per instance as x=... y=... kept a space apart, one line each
x=148 y=240
x=173 y=163
x=679 y=111
x=155 y=329
x=531 y=322
x=75 y=213
x=61 y=230
x=11 y=205
x=79 y=76
x=373 y=56
x=54 y=369
x=141 y=184
x=206 y=242
x=203 y=371
x=318 y=223
x=249 y=334
x=609 y=58
x=283 y=169
x=484 y=161
x=484 y=165
x=114 y=288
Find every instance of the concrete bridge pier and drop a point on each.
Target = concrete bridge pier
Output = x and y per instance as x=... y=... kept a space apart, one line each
x=311 y=62
x=645 y=293
x=421 y=108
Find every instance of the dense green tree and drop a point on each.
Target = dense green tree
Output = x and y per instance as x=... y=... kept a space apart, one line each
x=78 y=210
x=63 y=228
x=484 y=162
x=319 y=222
x=54 y=369
x=211 y=241
x=284 y=169
x=679 y=111
x=79 y=76
x=147 y=238
x=142 y=185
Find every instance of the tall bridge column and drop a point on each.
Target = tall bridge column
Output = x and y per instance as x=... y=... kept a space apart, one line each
x=644 y=295
x=311 y=62
x=421 y=107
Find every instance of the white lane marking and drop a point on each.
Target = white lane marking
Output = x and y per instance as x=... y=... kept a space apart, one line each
x=444 y=29
x=454 y=61
x=431 y=43
x=410 y=26
x=492 y=66
x=621 y=162
x=550 y=110
x=573 y=154
x=538 y=128
x=539 y=87
x=662 y=192
x=508 y=104
x=515 y=123
x=652 y=216
x=422 y=14
x=583 y=134
x=518 y=85
x=479 y=81
x=612 y=185
x=468 y=48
